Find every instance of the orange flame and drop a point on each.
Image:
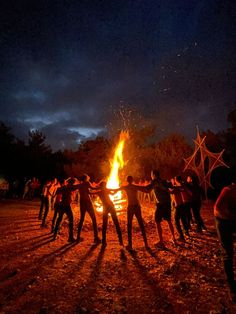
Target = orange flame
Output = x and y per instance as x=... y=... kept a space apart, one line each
x=117 y=163
x=113 y=181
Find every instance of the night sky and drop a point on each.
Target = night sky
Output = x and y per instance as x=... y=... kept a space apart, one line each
x=67 y=66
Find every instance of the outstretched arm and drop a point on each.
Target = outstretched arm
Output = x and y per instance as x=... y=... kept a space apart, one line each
x=113 y=191
x=93 y=187
x=144 y=188
x=94 y=192
x=116 y=190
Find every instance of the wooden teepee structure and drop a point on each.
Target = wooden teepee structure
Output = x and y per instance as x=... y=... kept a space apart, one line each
x=203 y=162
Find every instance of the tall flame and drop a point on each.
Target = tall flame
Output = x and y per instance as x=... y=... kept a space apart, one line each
x=117 y=163
x=113 y=181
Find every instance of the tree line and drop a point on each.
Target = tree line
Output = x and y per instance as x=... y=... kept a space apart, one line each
x=34 y=158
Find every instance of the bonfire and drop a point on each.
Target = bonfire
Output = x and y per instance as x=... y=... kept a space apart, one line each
x=113 y=181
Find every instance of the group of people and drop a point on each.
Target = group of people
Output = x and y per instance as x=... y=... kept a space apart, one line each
x=31 y=187
x=183 y=198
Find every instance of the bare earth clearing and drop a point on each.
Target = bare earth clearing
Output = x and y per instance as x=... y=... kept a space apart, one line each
x=38 y=275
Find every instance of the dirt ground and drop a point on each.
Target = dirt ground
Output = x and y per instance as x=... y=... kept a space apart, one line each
x=38 y=275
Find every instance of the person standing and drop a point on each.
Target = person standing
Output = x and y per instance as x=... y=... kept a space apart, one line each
x=196 y=202
x=53 y=188
x=65 y=193
x=163 y=204
x=44 y=206
x=180 y=213
x=86 y=206
x=26 y=189
x=33 y=187
x=186 y=197
x=134 y=209
x=108 y=208
x=225 y=219
x=57 y=204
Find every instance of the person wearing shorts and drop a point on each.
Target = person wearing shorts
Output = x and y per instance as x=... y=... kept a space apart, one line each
x=163 y=205
x=134 y=209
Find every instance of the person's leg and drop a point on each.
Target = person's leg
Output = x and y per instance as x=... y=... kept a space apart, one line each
x=167 y=217
x=94 y=221
x=196 y=213
x=225 y=233
x=158 y=219
x=177 y=216
x=42 y=204
x=26 y=190
x=188 y=215
x=53 y=202
x=81 y=221
x=184 y=218
x=158 y=222
x=56 y=208
x=138 y=215
x=117 y=225
x=159 y=231
x=104 y=226
x=45 y=212
x=50 y=202
x=196 y=206
x=130 y=215
x=171 y=227
x=69 y=214
x=58 y=222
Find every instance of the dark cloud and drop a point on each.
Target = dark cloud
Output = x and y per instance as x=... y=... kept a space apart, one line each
x=67 y=65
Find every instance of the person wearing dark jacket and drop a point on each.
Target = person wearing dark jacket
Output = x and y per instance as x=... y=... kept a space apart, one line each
x=180 y=214
x=196 y=202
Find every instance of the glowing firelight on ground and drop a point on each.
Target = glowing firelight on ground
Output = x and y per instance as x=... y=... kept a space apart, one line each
x=117 y=163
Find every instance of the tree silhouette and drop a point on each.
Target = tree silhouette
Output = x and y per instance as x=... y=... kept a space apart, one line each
x=92 y=157
x=37 y=143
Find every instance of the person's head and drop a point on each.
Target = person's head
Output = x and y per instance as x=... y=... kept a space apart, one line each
x=189 y=179
x=130 y=179
x=155 y=174
x=178 y=180
x=85 y=178
x=71 y=181
x=62 y=182
x=48 y=181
